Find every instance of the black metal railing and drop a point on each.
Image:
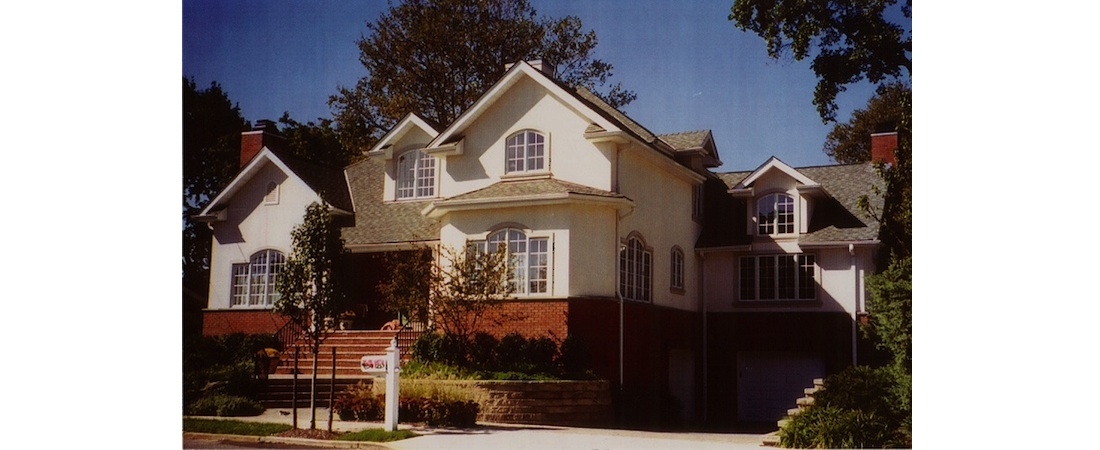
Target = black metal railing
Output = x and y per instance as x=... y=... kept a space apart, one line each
x=289 y=334
x=409 y=333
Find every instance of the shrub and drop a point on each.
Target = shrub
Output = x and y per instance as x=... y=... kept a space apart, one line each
x=482 y=351
x=225 y=406
x=510 y=351
x=359 y=403
x=859 y=407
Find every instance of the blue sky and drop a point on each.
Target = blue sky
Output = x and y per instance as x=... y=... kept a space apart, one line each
x=690 y=66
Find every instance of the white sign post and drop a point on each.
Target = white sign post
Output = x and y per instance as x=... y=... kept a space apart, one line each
x=387 y=366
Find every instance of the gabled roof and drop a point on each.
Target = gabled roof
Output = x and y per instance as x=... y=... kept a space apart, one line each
x=836 y=218
x=517 y=72
x=700 y=142
x=326 y=181
x=409 y=122
x=774 y=163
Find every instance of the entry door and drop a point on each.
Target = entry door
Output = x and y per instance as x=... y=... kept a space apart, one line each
x=770 y=383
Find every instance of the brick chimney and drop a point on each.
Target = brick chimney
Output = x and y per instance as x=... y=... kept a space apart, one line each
x=883 y=146
x=263 y=134
x=541 y=65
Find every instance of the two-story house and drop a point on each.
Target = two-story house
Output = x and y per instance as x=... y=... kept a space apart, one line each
x=722 y=291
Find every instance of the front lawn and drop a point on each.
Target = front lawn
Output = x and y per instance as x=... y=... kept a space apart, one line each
x=240 y=428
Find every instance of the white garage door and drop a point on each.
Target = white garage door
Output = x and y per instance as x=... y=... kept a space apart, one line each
x=769 y=383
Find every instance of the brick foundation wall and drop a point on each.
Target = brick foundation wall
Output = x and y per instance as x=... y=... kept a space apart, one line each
x=530 y=318
x=250 y=321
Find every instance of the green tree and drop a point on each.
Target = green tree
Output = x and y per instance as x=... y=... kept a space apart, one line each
x=454 y=290
x=891 y=311
x=850 y=142
x=316 y=141
x=212 y=127
x=436 y=57
x=850 y=41
x=309 y=285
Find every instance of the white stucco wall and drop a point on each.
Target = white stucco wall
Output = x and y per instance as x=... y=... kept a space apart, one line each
x=662 y=216
x=527 y=105
x=252 y=226
x=840 y=286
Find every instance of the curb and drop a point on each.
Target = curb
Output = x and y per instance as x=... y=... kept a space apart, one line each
x=320 y=443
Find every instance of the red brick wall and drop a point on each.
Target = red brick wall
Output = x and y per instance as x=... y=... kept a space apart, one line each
x=883 y=146
x=530 y=318
x=216 y=323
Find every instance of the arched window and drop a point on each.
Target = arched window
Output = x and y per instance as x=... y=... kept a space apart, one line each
x=415 y=175
x=635 y=270
x=525 y=152
x=254 y=283
x=530 y=259
x=775 y=214
x=677 y=281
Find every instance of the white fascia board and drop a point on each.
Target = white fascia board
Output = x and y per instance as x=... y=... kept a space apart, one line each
x=860 y=243
x=741 y=192
x=391 y=246
x=775 y=163
x=727 y=249
x=439 y=209
x=248 y=172
x=385 y=145
x=498 y=90
x=454 y=148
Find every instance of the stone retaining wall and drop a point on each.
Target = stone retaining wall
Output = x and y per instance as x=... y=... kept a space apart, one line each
x=575 y=403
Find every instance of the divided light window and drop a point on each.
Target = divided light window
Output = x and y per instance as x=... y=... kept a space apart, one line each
x=635 y=270
x=775 y=214
x=778 y=277
x=415 y=175
x=525 y=152
x=529 y=257
x=677 y=269
x=254 y=283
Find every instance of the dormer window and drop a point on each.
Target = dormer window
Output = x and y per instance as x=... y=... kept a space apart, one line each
x=525 y=152
x=775 y=214
x=415 y=175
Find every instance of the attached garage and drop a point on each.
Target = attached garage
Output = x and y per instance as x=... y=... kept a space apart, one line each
x=769 y=383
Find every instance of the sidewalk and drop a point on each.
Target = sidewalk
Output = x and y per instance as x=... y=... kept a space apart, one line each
x=520 y=437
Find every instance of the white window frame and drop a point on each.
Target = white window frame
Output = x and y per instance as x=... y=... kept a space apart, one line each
x=778 y=222
x=697 y=194
x=636 y=270
x=799 y=283
x=520 y=152
x=522 y=249
x=415 y=175
x=676 y=266
x=252 y=284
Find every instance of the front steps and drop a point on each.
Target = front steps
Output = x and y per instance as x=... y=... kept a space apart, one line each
x=350 y=347
x=772 y=439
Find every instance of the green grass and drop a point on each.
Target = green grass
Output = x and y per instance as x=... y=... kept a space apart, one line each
x=377 y=435
x=233 y=427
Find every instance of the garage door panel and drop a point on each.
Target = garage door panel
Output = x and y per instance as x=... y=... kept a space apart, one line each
x=769 y=383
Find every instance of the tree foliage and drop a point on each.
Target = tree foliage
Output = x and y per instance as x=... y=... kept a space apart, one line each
x=850 y=142
x=436 y=57
x=454 y=290
x=309 y=285
x=891 y=311
x=212 y=127
x=316 y=141
x=850 y=41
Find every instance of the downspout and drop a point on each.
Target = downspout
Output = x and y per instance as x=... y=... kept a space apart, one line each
x=703 y=308
x=619 y=294
x=857 y=298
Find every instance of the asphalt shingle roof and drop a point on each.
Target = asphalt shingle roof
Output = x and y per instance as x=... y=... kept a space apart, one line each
x=380 y=222
x=834 y=219
x=327 y=181
x=523 y=188
x=685 y=139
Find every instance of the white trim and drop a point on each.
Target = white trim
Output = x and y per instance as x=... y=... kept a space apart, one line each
x=501 y=86
x=385 y=145
x=775 y=163
x=438 y=209
x=390 y=246
x=250 y=171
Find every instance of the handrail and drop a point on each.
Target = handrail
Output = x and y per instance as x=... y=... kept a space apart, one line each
x=407 y=335
x=288 y=334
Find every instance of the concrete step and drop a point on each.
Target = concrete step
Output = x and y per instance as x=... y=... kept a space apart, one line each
x=794 y=412
x=804 y=401
x=770 y=439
